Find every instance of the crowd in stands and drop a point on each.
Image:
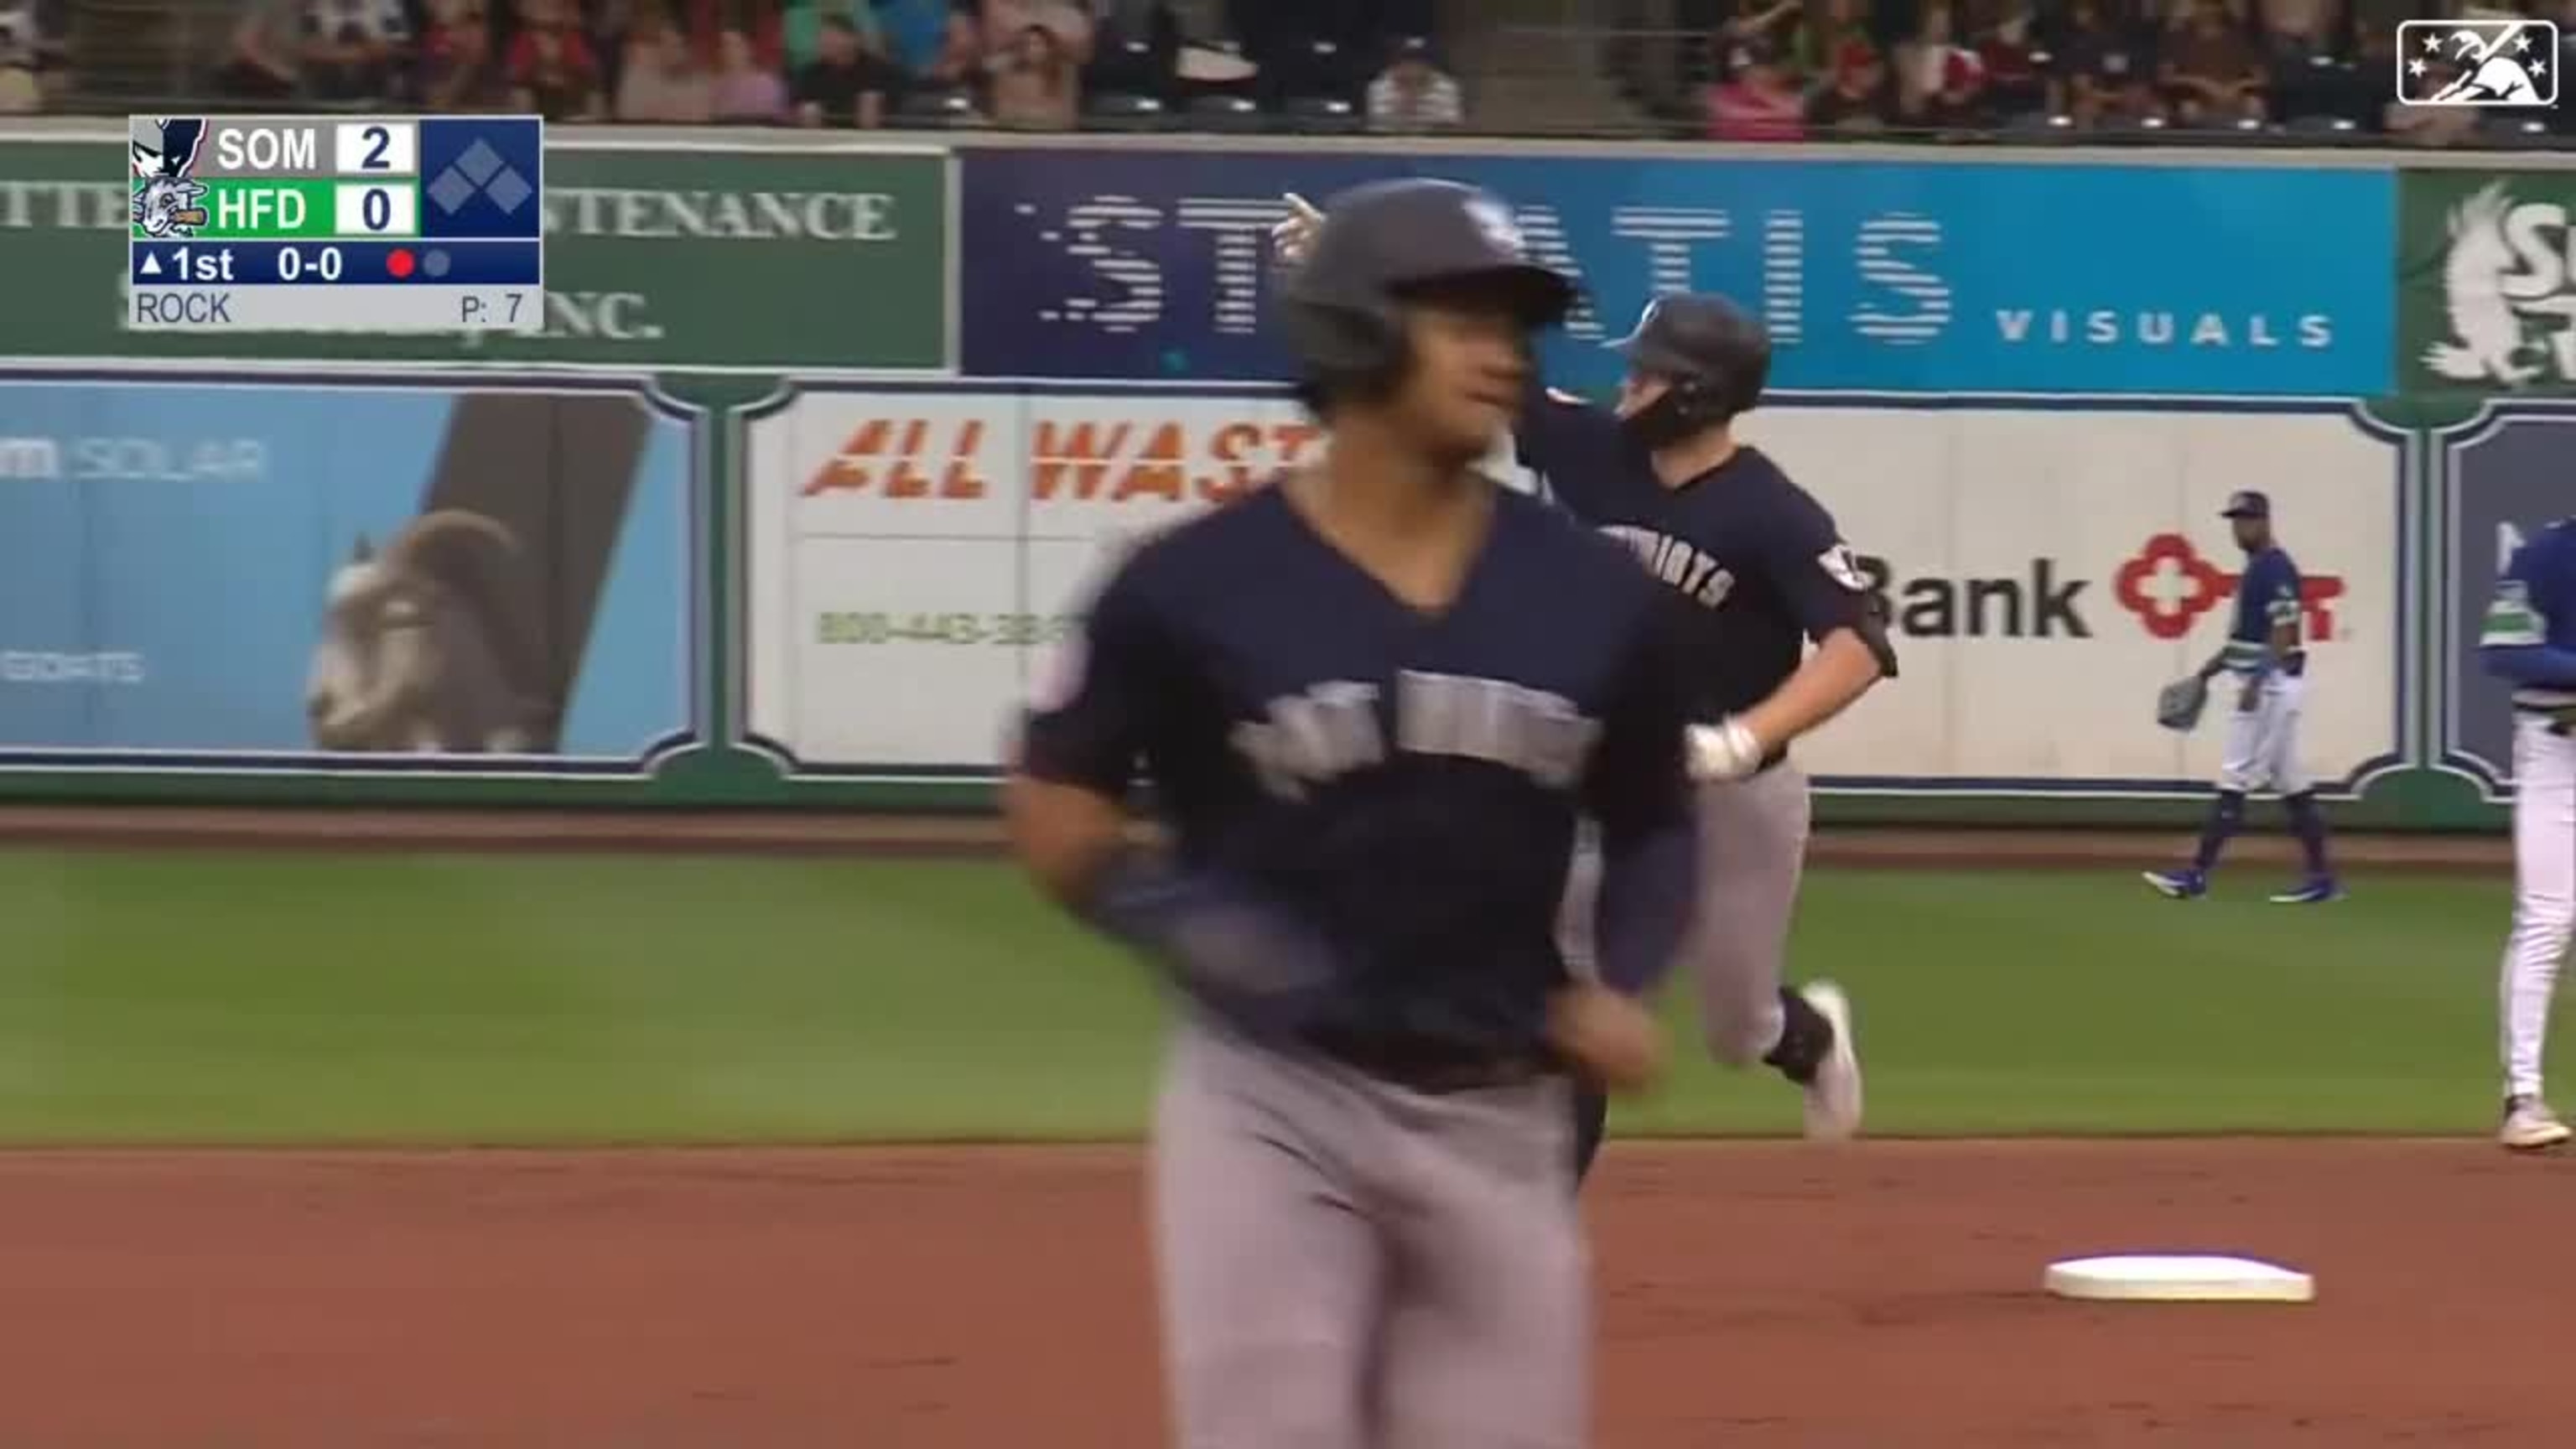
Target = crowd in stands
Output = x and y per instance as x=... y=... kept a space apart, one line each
x=1745 y=70
x=1041 y=64
x=1796 y=69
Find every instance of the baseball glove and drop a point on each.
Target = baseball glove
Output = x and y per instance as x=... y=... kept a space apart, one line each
x=2178 y=705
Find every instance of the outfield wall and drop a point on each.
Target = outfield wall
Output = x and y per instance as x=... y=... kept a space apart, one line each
x=826 y=436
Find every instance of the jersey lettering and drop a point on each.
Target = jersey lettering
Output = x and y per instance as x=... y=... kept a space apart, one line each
x=1312 y=738
x=1678 y=563
x=1540 y=734
x=1332 y=730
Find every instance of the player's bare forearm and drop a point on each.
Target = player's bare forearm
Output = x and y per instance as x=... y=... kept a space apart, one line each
x=1840 y=671
x=1065 y=836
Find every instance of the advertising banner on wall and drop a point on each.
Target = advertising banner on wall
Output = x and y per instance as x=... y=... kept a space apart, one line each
x=911 y=553
x=1886 y=277
x=658 y=258
x=2048 y=569
x=2506 y=477
x=344 y=575
x=2486 y=282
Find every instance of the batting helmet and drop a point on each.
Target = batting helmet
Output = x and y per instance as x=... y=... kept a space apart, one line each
x=1715 y=356
x=1388 y=241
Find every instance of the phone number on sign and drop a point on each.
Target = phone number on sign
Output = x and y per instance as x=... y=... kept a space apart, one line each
x=1008 y=630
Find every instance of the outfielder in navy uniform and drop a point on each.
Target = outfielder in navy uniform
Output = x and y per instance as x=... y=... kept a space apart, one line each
x=1752 y=568
x=1374 y=700
x=2267 y=652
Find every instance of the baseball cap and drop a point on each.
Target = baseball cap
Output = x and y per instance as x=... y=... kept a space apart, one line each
x=2247 y=503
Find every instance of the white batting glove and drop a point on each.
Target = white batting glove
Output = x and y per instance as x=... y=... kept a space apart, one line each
x=1723 y=751
x=1294 y=237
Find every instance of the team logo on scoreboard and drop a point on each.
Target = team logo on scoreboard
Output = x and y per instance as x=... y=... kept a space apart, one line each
x=166 y=198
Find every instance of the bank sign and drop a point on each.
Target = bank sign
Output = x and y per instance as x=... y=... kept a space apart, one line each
x=1874 y=277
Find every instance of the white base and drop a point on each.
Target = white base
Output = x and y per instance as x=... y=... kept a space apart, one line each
x=2178 y=1278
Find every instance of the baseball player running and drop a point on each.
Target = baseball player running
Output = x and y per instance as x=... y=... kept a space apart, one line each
x=2266 y=651
x=2530 y=640
x=1755 y=567
x=1374 y=701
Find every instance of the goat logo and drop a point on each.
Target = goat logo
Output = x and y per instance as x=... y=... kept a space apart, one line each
x=420 y=652
x=163 y=151
x=2501 y=274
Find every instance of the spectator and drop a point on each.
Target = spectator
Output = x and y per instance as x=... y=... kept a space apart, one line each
x=660 y=80
x=745 y=92
x=1036 y=82
x=1840 y=42
x=1934 y=62
x=1069 y=23
x=1758 y=101
x=2355 y=89
x=22 y=53
x=800 y=28
x=608 y=25
x=2013 y=82
x=1960 y=99
x=2098 y=71
x=935 y=40
x=761 y=22
x=350 y=49
x=1412 y=94
x=552 y=70
x=2211 y=73
x=261 y=61
x=2431 y=125
x=460 y=70
x=847 y=84
x=1854 y=97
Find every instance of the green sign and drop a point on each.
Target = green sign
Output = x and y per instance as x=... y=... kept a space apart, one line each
x=2486 y=282
x=657 y=259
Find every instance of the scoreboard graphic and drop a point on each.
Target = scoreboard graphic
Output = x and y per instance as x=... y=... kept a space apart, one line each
x=321 y=224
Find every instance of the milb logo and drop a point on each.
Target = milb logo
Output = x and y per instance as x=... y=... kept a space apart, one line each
x=2168 y=585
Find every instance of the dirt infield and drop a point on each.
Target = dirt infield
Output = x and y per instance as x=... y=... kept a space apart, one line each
x=1879 y=1295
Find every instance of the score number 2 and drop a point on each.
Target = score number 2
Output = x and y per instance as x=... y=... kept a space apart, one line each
x=375 y=148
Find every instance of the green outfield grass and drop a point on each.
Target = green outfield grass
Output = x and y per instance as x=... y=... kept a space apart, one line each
x=269 y=998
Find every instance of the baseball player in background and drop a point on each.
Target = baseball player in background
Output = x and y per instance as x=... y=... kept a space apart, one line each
x=2266 y=652
x=2530 y=640
x=1754 y=567
x=1374 y=700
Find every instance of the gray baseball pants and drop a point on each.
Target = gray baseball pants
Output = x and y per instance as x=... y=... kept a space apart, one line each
x=1349 y=1264
x=1753 y=851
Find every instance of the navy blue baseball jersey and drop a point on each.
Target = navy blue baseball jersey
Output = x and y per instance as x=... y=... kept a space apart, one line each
x=1406 y=783
x=2267 y=598
x=1757 y=562
x=2530 y=631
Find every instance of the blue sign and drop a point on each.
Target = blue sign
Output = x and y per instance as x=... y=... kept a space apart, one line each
x=2508 y=481
x=1876 y=277
x=351 y=576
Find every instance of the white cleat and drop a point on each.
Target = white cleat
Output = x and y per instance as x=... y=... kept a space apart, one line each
x=1834 y=1098
x=2530 y=1126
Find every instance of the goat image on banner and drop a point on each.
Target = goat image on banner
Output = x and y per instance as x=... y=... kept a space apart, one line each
x=389 y=576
